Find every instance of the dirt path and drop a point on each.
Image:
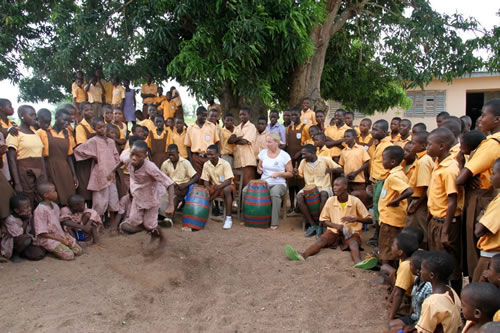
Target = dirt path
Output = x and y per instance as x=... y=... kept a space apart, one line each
x=209 y=281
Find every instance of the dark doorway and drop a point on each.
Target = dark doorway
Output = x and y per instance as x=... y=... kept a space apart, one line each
x=474 y=104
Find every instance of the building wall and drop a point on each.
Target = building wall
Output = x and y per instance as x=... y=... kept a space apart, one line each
x=455 y=104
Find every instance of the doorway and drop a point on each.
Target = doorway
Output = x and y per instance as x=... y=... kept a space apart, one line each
x=474 y=105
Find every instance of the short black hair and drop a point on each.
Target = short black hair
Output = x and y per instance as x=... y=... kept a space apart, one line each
x=445 y=136
x=262 y=118
x=396 y=118
x=173 y=147
x=466 y=119
x=315 y=128
x=417 y=257
x=484 y=296
x=97 y=120
x=408 y=121
x=159 y=116
x=454 y=125
x=84 y=104
x=407 y=243
x=132 y=139
x=75 y=198
x=416 y=232
x=4 y=102
x=494 y=106
x=141 y=145
x=490 y=327
x=351 y=113
x=352 y=132
x=382 y=123
x=60 y=112
x=15 y=201
x=342 y=179
x=201 y=109
x=113 y=127
x=421 y=137
x=320 y=135
x=443 y=114
x=44 y=114
x=310 y=148
x=295 y=110
x=395 y=153
x=274 y=111
x=473 y=139
x=440 y=263
x=422 y=126
x=367 y=120
x=227 y=115
x=23 y=109
x=245 y=109
x=214 y=148
x=319 y=111
x=45 y=187
x=341 y=111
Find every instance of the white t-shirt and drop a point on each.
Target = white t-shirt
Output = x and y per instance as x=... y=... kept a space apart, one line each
x=272 y=165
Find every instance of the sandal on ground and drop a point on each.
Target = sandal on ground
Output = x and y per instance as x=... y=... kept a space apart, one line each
x=292 y=254
x=367 y=264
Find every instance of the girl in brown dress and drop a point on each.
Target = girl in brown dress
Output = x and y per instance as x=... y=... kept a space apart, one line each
x=83 y=132
x=57 y=151
x=158 y=141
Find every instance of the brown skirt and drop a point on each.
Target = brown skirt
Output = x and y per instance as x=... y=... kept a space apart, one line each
x=83 y=169
x=6 y=192
x=59 y=173
x=31 y=174
x=122 y=183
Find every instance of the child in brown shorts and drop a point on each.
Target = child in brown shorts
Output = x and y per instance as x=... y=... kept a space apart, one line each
x=343 y=215
x=392 y=204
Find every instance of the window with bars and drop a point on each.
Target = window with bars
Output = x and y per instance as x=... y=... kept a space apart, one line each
x=426 y=103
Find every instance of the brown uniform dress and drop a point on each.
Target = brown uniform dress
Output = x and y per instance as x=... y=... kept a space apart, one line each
x=58 y=169
x=83 y=169
x=293 y=147
x=159 y=150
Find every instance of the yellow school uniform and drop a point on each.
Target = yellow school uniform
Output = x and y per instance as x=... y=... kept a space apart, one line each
x=26 y=145
x=118 y=95
x=181 y=173
x=404 y=277
x=315 y=174
x=94 y=94
x=78 y=93
x=243 y=154
x=199 y=138
x=352 y=159
x=308 y=117
x=402 y=142
x=108 y=91
x=159 y=99
x=168 y=109
x=177 y=100
x=394 y=139
x=481 y=162
x=377 y=170
x=336 y=133
x=260 y=143
x=149 y=124
x=80 y=134
x=455 y=150
x=227 y=149
x=440 y=309
x=334 y=212
x=155 y=135
x=395 y=184
x=149 y=89
x=178 y=139
x=365 y=140
x=421 y=177
x=45 y=140
x=216 y=174
x=490 y=242
x=442 y=185
x=324 y=152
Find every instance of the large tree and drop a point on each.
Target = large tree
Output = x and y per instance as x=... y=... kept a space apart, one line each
x=259 y=52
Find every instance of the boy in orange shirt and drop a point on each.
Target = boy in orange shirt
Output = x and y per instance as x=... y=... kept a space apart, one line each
x=392 y=204
x=344 y=215
x=444 y=228
x=354 y=159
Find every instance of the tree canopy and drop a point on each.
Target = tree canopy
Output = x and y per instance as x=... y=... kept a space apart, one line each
x=268 y=52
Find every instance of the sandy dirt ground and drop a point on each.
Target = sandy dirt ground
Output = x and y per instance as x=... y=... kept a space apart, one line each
x=208 y=281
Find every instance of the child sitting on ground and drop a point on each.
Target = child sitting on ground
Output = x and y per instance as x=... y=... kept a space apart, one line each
x=480 y=301
x=48 y=230
x=344 y=215
x=83 y=223
x=16 y=233
x=403 y=247
x=441 y=310
x=420 y=291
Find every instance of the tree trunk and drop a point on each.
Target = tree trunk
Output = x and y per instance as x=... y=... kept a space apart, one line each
x=306 y=80
x=231 y=103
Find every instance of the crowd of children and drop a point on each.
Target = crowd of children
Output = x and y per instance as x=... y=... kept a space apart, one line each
x=433 y=195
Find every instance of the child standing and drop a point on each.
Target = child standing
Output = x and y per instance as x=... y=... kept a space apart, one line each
x=365 y=138
x=480 y=302
x=444 y=227
x=16 y=233
x=83 y=223
x=322 y=150
x=102 y=151
x=129 y=103
x=487 y=229
x=392 y=205
x=158 y=141
x=404 y=133
x=48 y=230
x=343 y=215
x=441 y=310
x=83 y=132
x=147 y=186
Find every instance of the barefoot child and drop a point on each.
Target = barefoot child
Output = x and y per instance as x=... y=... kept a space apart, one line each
x=16 y=233
x=83 y=223
x=344 y=215
x=103 y=151
x=480 y=302
x=441 y=310
x=147 y=185
x=393 y=204
x=48 y=230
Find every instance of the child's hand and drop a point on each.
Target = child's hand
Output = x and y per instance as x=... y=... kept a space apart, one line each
x=348 y=219
x=393 y=203
x=445 y=239
x=412 y=208
x=351 y=175
x=110 y=176
x=75 y=182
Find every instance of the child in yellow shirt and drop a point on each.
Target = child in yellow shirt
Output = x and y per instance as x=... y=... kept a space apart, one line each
x=480 y=302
